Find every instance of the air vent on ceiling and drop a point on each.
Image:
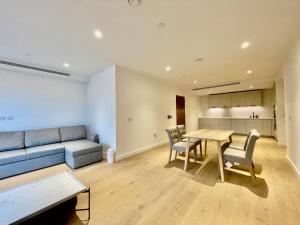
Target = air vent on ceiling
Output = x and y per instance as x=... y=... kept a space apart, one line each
x=23 y=66
x=216 y=86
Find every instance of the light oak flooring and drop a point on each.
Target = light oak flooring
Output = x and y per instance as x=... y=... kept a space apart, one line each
x=145 y=189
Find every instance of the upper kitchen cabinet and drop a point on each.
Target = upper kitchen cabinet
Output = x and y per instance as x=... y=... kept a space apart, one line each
x=253 y=98
x=225 y=100
x=214 y=101
x=238 y=99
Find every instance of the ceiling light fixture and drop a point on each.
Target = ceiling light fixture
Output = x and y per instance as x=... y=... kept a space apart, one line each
x=198 y=59
x=251 y=86
x=245 y=45
x=98 y=34
x=161 y=25
x=67 y=65
x=249 y=71
x=168 y=68
x=195 y=82
x=134 y=3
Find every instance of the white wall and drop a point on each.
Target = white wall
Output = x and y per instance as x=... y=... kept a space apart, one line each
x=280 y=112
x=101 y=106
x=264 y=111
x=38 y=102
x=292 y=103
x=143 y=104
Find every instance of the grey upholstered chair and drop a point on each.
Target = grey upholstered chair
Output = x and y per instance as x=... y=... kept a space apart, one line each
x=243 y=157
x=179 y=146
x=181 y=131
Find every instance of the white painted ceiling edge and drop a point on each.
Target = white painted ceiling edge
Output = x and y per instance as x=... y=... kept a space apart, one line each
x=53 y=32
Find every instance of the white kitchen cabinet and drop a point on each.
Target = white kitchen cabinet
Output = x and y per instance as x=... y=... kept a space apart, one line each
x=254 y=124
x=214 y=101
x=267 y=132
x=203 y=123
x=238 y=126
x=253 y=98
x=225 y=100
x=213 y=123
x=238 y=99
x=225 y=124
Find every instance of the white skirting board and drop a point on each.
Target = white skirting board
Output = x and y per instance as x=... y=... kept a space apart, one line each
x=126 y=155
x=297 y=172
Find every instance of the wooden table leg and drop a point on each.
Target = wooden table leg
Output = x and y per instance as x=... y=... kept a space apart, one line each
x=205 y=149
x=187 y=153
x=221 y=166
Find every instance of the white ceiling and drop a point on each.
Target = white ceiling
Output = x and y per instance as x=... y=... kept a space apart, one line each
x=56 y=31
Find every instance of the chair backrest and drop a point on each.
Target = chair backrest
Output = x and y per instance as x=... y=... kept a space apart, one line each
x=250 y=145
x=172 y=135
x=247 y=139
x=181 y=131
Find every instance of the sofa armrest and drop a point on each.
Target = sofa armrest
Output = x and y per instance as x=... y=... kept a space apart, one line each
x=92 y=137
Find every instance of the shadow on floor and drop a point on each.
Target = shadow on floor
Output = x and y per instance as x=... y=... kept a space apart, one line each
x=258 y=187
x=206 y=172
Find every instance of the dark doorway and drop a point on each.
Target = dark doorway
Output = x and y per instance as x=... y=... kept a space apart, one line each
x=180 y=110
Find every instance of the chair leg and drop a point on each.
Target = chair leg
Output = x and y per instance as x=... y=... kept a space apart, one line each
x=195 y=154
x=205 y=147
x=170 y=155
x=252 y=173
x=176 y=153
x=253 y=165
x=200 y=149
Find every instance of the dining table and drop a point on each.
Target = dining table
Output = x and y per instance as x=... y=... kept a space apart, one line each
x=216 y=135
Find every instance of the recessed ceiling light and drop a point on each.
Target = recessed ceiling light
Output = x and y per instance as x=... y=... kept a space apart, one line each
x=245 y=45
x=98 y=34
x=249 y=71
x=168 y=68
x=67 y=65
x=134 y=3
x=161 y=25
x=195 y=82
x=198 y=59
x=251 y=86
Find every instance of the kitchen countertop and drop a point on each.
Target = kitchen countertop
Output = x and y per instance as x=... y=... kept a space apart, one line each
x=237 y=118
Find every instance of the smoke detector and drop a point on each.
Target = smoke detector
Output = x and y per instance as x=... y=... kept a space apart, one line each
x=134 y=3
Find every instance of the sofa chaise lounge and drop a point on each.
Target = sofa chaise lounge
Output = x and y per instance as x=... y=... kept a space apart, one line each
x=24 y=151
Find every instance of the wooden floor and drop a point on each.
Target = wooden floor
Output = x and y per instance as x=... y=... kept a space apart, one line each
x=145 y=189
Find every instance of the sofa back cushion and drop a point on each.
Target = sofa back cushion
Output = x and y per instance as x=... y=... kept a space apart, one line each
x=11 y=140
x=72 y=133
x=41 y=137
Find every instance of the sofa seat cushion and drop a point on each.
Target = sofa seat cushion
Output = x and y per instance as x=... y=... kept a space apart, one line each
x=11 y=140
x=44 y=150
x=12 y=156
x=81 y=147
x=41 y=137
x=72 y=133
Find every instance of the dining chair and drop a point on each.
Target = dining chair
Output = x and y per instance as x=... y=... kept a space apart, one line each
x=179 y=146
x=237 y=146
x=244 y=157
x=182 y=131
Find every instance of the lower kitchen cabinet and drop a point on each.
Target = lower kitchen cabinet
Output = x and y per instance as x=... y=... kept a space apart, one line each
x=240 y=126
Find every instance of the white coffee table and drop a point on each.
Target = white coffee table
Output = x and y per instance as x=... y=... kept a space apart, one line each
x=26 y=201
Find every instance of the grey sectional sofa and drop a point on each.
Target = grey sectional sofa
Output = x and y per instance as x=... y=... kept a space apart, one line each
x=24 y=151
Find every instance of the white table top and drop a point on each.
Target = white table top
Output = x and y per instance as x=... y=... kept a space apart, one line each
x=26 y=201
x=210 y=134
